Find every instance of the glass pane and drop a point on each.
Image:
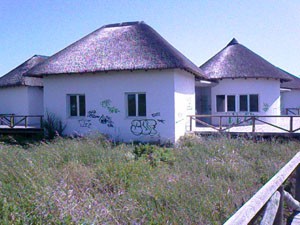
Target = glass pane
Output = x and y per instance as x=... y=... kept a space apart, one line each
x=73 y=105
x=81 y=105
x=220 y=103
x=231 y=103
x=131 y=105
x=244 y=103
x=142 y=104
x=253 y=103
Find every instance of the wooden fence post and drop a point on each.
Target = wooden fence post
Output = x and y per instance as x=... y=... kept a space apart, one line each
x=253 y=124
x=279 y=216
x=291 y=123
x=41 y=121
x=220 y=123
x=12 y=121
x=297 y=189
x=271 y=209
x=26 y=121
x=191 y=124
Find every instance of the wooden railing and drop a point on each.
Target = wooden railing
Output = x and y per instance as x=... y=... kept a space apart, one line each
x=270 y=196
x=293 y=111
x=17 y=121
x=250 y=120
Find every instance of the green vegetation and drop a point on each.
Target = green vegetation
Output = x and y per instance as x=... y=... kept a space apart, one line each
x=91 y=181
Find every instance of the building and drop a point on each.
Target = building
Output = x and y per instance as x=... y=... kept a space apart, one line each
x=244 y=84
x=123 y=80
x=19 y=94
x=290 y=96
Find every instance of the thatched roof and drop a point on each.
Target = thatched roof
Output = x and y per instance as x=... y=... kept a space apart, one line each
x=293 y=84
x=115 y=47
x=16 y=76
x=237 y=61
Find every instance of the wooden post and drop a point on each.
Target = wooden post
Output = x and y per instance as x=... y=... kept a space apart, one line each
x=253 y=124
x=26 y=121
x=297 y=189
x=286 y=111
x=191 y=124
x=41 y=121
x=279 y=216
x=291 y=124
x=271 y=209
x=220 y=123
x=12 y=121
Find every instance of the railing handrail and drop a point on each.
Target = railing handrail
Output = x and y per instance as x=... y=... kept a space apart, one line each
x=267 y=116
x=13 y=120
x=250 y=209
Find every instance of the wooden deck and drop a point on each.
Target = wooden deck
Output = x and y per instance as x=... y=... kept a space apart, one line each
x=20 y=124
x=287 y=125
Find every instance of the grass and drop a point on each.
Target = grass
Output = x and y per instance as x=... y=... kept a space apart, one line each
x=91 y=181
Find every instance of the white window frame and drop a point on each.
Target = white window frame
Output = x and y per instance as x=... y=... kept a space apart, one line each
x=136 y=104
x=77 y=104
x=226 y=103
x=248 y=103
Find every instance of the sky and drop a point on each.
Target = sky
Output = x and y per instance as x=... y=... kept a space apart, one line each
x=197 y=28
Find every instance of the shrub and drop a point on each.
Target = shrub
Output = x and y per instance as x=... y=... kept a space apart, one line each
x=53 y=125
x=153 y=154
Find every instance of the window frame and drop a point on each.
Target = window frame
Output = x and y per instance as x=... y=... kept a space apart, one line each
x=248 y=102
x=79 y=104
x=138 y=109
x=224 y=104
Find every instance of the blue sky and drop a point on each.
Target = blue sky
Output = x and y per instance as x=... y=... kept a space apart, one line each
x=199 y=29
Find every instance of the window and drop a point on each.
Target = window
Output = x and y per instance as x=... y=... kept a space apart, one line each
x=231 y=103
x=249 y=103
x=136 y=104
x=220 y=103
x=76 y=105
x=244 y=103
x=253 y=103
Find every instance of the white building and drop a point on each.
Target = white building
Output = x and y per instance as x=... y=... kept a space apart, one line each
x=123 y=80
x=290 y=96
x=22 y=95
x=245 y=83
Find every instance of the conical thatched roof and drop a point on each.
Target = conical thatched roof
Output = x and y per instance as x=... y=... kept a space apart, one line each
x=115 y=47
x=16 y=76
x=293 y=84
x=237 y=61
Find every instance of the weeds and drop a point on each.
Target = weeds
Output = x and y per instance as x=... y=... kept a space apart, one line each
x=91 y=181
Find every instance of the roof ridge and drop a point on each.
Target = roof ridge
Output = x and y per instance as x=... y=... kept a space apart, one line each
x=233 y=42
x=122 y=24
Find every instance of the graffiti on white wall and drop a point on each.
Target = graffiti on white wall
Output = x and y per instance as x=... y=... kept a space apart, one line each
x=85 y=123
x=146 y=126
x=104 y=118
x=266 y=107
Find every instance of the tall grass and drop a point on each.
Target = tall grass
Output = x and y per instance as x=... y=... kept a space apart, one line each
x=91 y=181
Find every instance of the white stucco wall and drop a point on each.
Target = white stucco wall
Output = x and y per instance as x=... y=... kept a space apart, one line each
x=14 y=100
x=113 y=86
x=268 y=94
x=35 y=101
x=184 y=84
x=290 y=99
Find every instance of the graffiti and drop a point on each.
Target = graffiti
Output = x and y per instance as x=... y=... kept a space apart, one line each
x=265 y=107
x=155 y=114
x=189 y=105
x=107 y=105
x=106 y=120
x=161 y=121
x=92 y=114
x=236 y=120
x=178 y=121
x=85 y=123
x=143 y=127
